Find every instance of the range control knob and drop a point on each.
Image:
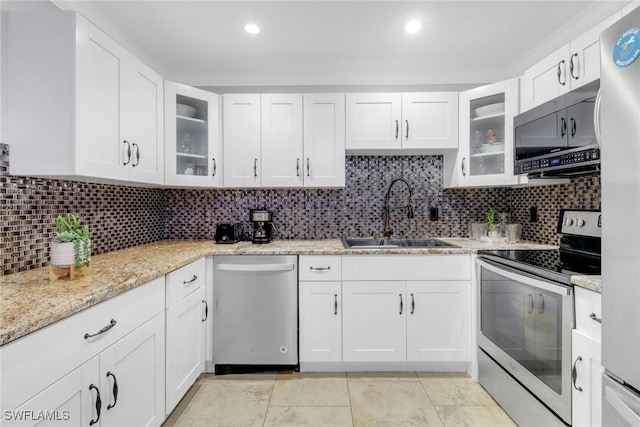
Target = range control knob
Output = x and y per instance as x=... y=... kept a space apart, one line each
x=580 y=222
x=568 y=221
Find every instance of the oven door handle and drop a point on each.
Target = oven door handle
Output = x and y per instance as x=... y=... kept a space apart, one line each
x=519 y=276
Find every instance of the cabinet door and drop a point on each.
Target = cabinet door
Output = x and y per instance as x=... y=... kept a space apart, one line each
x=192 y=136
x=430 y=120
x=580 y=126
x=185 y=346
x=61 y=405
x=99 y=150
x=374 y=322
x=142 y=121
x=546 y=80
x=282 y=140
x=320 y=321
x=587 y=392
x=373 y=120
x=324 y=146
x=438 y=321
x=241 y=140
x=137 y=363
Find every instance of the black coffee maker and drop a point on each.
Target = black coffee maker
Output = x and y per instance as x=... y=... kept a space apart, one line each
x=262 y=225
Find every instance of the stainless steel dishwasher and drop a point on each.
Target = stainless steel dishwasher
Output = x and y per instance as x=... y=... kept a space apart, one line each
x=255 y=313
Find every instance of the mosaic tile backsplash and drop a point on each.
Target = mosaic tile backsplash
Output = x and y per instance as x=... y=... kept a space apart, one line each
x=121 y=216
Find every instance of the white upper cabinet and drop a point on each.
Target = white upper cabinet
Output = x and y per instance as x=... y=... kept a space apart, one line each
x=192 y=136
x=409 y=121
x=324 y=149
x=98 y=109
x=270 y=140
x=486 y=153
x=241 y=140
x=568 y=68
x=282 y=154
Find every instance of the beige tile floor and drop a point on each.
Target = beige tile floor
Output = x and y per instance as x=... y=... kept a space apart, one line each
x=338 y=399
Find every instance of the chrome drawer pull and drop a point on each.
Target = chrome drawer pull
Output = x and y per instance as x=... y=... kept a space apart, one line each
x=193 y=279
x=101 y=331
x=574 y=373
x=595 y=318
x=320 y=268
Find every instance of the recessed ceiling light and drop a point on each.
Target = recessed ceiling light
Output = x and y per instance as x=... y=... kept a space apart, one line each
x=252 y=28
x=413 y=27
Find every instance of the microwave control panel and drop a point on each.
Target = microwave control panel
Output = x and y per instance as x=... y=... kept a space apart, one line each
x=574 y=158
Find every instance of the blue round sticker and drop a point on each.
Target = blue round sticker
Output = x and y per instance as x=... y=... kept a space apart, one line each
x=627 y=49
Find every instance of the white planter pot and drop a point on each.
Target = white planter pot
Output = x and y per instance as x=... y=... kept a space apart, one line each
x=62 y=254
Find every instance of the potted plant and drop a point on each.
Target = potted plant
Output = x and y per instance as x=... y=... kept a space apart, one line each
x=494 y=224
x=71 y=245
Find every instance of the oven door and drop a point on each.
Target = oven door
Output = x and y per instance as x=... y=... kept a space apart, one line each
x=525 y=326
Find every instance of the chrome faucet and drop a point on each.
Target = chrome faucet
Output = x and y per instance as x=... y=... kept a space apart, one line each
x=388 y=231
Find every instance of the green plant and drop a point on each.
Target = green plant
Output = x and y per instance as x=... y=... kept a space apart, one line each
x=70 y=231
x=491 y=216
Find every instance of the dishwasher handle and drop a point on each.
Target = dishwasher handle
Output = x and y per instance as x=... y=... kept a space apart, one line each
x=255 y=267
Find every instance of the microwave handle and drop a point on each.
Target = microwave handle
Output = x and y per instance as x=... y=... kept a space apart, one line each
x=596 y=119
x=523 y=277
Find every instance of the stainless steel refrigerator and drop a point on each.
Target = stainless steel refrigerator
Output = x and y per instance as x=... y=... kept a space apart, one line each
x=620 y=135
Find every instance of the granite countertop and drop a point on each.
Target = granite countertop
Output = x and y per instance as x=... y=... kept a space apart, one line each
x=29 y=301
x=593 y=283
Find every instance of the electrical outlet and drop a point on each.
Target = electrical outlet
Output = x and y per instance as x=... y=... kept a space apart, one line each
x=533 y=214
x=433 y=214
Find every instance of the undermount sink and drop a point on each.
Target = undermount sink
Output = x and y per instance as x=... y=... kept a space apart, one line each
x=372 y=243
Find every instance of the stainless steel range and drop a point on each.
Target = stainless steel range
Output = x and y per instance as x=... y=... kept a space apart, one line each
x=526 y=311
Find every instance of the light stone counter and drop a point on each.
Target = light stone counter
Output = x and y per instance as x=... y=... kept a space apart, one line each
x=29 y=301
x=593 y=283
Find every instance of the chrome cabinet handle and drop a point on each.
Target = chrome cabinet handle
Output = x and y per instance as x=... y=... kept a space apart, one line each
x=206 y=311
x=128 y=152
x=335 y=304
x=595 y=318
x=571 y=67
x=530 y=303
x=98 y=405
x=397 y=129
x=574 y=373
x=407 y=135
x=308 y=168
x=596 y=118
x=401 y=304
x=413 y=304
x=320 y=268
x=137 y=155
x=114 y=390
x=188 y=282
x=574 y=127
x=111 y=324
x=215 y=166
x=563 y=127
x=298 y=166
x=559 y=72
x=255 y=168
x=462 y=166
x=541 y=304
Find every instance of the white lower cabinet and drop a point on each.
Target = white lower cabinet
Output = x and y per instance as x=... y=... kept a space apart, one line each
x=393 y=321
x=320 y=306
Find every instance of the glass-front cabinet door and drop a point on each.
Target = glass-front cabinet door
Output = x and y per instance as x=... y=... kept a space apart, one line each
x=192 y=126
x=485 y=155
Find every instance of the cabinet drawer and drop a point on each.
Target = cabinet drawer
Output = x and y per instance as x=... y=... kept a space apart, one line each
x=184 y=280
x=33 y=362
x=129 y=310
x=406 y=267
x=588 y=312
x=320 y=267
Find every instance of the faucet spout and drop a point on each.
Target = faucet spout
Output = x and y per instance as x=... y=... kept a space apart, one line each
x=388 y=231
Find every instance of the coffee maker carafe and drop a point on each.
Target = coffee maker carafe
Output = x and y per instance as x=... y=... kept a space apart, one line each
x=262 y=225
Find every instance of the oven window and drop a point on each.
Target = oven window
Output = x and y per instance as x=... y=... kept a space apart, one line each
x=526 y=323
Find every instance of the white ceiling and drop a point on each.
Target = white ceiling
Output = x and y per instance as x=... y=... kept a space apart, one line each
x=203 y=43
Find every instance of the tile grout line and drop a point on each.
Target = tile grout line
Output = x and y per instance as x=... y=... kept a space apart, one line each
x=346 y=377
x=273 y=387
x=430 y=401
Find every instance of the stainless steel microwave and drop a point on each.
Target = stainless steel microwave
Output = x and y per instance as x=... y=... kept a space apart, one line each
x=558 y=138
